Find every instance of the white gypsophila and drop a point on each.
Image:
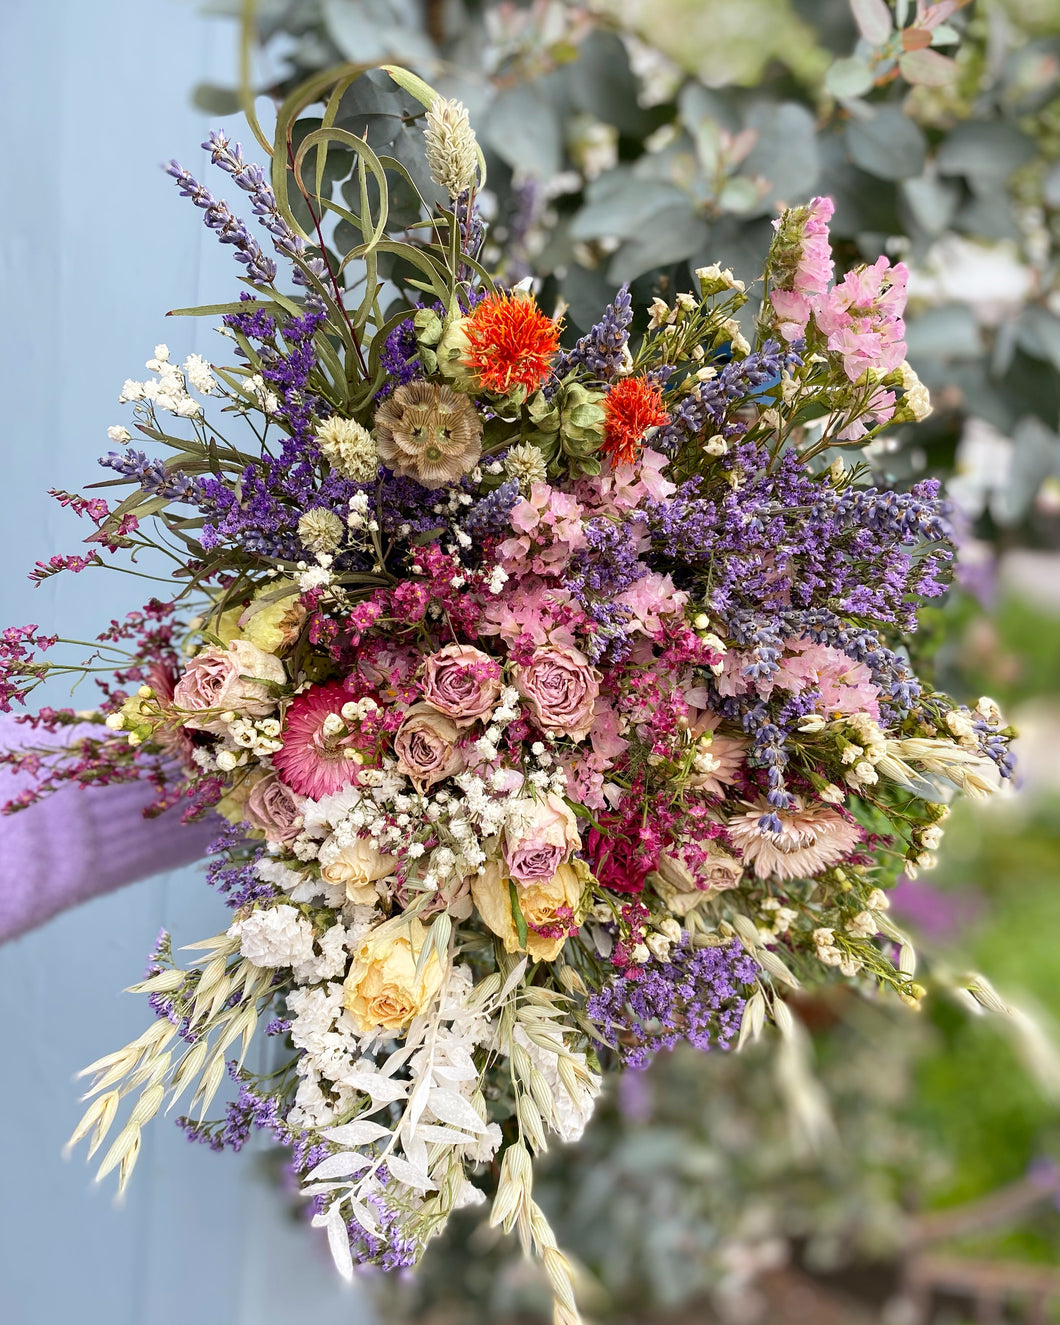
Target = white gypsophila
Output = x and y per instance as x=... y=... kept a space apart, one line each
x=450 y=143
x=572 y=1114
x=312 y=577
x=198 y=373
x=119 y=435
x=331 y=962
x=274 y=936
x=863 y=926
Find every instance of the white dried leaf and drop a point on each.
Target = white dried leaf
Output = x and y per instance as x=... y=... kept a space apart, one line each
x=454 y=1109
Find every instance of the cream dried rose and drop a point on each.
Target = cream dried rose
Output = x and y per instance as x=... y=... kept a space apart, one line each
x=560 y=688
x=550 y=907
x=425 y=745
x=382 y=990
x=682 y=890
x=218 y=681
x=357 y=865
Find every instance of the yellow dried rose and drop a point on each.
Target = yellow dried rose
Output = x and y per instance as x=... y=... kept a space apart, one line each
x=382 y=990
x=549 y=905
x=272 y=620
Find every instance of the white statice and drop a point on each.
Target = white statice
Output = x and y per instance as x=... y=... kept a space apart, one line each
x=331 y=961
x=274 y=936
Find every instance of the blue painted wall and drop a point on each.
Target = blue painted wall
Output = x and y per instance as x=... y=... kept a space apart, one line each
x=95 y=245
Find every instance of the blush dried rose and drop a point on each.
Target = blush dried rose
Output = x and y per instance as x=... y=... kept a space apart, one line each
x=429 y=433
x=561 y=688
x=462 y=682
x=382 y=990
x=272 y=808
x=357 y=865
x=550 y=907
x=540 y=836
x=425 y=745
x=219 y=681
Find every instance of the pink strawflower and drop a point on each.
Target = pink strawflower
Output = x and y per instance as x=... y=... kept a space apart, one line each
x=310 y=762
x=811 y=838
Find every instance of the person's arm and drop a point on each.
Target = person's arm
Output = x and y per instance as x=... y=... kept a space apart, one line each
x=76 y=844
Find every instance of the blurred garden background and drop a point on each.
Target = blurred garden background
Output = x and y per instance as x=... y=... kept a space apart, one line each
x=912 y=1177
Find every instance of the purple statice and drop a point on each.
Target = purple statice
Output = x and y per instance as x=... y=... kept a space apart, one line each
x=607 y=564
x=233 y=871
x=385 y=1246
x=698 y=996
x=400 y=359
x=706 y=409
x=251 y=1112
x=229 y=229
x=490 y=514
x=472 y=233
x=602 y=349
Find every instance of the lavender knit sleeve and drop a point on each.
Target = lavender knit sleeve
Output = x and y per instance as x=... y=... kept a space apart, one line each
x=77 y=844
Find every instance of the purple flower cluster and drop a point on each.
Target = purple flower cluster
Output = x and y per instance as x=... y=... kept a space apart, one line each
x=705 y=410
x=387 y=1247
x=698 y=996
x=232 y=871
x=220 y=218
x=602 y=349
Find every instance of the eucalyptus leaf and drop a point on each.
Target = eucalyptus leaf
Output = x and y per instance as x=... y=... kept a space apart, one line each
x=601 y=83
x=889 y=146
x=524 y=128
x=675 y=232
x=873 y=18
x=927 y=68
x=617 y=203
x=849 y=77
x=785 y=153
x=988 y=150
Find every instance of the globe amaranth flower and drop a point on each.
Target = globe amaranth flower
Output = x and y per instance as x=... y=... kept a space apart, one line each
x=428 y=433
x=510 y=343
x=631 y=407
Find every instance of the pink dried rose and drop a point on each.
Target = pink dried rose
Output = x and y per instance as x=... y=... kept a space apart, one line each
x=227 y=680
x=462 y=682
x=560 y=687
x=540 y=836
x=426 y=747
x=272 y=808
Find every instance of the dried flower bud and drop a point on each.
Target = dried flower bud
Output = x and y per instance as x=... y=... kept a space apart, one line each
x=450 y=142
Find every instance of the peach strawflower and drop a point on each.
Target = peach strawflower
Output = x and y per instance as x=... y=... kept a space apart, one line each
x=631 y=407
x=811 y=838
x=511 y=343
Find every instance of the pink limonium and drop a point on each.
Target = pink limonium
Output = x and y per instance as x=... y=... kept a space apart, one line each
x=805 y=269
x=862 y=318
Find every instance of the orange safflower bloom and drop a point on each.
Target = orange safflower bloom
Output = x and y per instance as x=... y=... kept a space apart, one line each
x=631 y=407
x=510 y=343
